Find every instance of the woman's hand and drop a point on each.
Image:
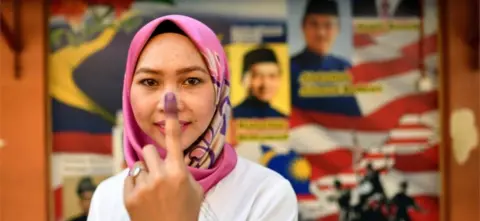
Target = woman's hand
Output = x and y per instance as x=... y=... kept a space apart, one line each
x=164 y=190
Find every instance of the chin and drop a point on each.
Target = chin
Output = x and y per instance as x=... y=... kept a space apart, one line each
x=323 y=50
x=265 y=99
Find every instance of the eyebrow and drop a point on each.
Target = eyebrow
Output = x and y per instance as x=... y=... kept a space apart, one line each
x=184 y=70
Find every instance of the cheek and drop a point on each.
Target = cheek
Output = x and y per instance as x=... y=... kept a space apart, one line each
x=256 y=82
x=330 y=34
x=276 y=82
x=202 y=104
x=204 y=114
x=271 y=85
x=142 y=106
x=311 y=33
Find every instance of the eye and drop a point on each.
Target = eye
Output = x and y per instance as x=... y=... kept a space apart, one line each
x=149 y=82
x=192 y=81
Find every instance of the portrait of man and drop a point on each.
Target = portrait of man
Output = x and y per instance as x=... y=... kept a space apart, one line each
x=85 y=190
x=261 y=76
x=386 y=8
x=320 y=26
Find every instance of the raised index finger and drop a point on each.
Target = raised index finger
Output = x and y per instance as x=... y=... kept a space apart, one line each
x=172 y=131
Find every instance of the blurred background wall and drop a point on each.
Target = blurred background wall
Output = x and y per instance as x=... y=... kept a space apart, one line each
x=35 y=145
x=24 y=164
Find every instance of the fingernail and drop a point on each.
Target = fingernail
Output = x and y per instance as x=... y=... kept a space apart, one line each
x=170 y=103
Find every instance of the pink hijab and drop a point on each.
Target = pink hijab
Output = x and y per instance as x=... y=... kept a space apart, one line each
x=212 y=158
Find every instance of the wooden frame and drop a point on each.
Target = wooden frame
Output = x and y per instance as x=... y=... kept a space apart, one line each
x=12 y=35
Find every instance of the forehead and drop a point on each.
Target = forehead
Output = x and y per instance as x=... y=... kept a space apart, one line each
x=170 y=47
x=320 y=18
x=265 y=68
x=87 y=194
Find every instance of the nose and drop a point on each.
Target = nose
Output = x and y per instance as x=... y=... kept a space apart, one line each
x=321 y=32
x=161 y=101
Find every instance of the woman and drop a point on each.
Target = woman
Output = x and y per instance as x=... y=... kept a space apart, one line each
x=176 y=105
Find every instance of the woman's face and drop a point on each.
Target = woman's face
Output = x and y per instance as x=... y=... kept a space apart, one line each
x=171 y=63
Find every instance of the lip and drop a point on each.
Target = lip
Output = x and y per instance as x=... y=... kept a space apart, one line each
x=161 y=125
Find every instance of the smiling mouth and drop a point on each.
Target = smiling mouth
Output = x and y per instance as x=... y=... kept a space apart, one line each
x=161 y=126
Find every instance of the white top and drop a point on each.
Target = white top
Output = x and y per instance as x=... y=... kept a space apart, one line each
x=250 y=192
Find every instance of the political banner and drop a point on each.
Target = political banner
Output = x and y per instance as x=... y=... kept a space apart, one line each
x=89 y=41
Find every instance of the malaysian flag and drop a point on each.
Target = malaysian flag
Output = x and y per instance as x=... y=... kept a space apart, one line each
x=397 y=131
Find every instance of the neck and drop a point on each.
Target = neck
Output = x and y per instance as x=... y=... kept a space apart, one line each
x=257 y=102
x=316 y=53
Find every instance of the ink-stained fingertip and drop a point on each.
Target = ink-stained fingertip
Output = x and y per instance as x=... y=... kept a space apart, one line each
x=170 y=104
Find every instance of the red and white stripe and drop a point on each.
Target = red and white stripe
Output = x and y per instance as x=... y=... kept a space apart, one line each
x=398 y=131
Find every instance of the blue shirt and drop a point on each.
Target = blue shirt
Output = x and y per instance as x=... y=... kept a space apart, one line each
x=309 y=61
x=254 y=108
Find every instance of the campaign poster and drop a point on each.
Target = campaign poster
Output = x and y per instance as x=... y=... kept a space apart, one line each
x=364 y=115
x=260 y=79
x=260 y=92
x=88 y=42
x=78 y=193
